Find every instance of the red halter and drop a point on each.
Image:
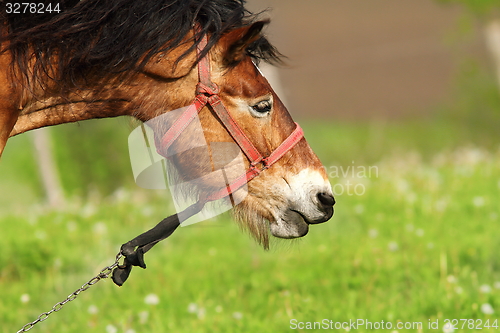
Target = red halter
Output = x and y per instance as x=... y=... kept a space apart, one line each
x=207 y=92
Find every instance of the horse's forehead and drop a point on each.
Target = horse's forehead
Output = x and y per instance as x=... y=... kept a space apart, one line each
x=245 y=80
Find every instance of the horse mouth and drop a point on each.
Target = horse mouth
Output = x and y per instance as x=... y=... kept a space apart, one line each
x=291 y=225
x=294 y=224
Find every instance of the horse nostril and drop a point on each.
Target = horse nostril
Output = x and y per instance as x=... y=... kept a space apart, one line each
x=326 y=199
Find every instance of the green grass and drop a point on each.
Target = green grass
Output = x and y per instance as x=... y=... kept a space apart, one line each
x=420 y=244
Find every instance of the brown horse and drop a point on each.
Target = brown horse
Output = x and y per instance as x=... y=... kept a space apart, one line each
x=98 y=59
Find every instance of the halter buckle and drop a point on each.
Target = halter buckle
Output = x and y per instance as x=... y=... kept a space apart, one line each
x=207 y=90
x=260 y=165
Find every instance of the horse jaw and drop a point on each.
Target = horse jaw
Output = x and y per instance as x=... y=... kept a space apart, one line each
x=291 y=225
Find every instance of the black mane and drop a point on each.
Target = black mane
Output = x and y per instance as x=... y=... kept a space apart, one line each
x=112 y=36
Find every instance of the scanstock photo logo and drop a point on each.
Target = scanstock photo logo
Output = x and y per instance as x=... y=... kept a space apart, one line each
x=215 y=166
x=351 y=180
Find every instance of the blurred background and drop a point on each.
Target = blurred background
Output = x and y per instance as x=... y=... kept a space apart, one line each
x=377 y=59
x=409 y=87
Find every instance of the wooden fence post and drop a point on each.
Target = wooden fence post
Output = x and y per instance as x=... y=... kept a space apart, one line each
x=492 y=32
x=47 y=167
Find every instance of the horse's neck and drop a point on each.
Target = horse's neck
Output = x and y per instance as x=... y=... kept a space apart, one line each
x=140 y=96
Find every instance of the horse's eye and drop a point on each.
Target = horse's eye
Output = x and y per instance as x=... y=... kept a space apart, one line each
x=264 y=106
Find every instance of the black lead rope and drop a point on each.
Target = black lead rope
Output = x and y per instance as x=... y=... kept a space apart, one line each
x=134 y=250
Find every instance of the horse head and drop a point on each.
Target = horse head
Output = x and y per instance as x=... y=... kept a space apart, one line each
x=286 y=197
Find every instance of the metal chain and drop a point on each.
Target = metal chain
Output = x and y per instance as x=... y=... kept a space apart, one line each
x=103 y=274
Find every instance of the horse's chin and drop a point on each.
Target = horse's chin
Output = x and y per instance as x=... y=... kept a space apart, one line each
x=290 y=225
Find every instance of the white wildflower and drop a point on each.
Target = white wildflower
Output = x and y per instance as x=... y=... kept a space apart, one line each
x=41 y=235
x=88 y=210
x=192 y=308
x=143 y=317
x=485 y=289
x=147 y=211
x=448 y=328
x=451 y=279
x=478 y=201
x=487 y=309
x=57 y=262
x=441 y=205
x=373 y=233
x=111 y=329
x=201 y=313
x=121 y=195
x=237 y=315
x=402 y=186
x=151 y=299
x=393 y=246
x=100 y=228
x=25 y=298
x=92 y=309
x=359 y=209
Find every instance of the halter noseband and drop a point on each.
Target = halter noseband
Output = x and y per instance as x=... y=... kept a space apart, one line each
x=207 y=92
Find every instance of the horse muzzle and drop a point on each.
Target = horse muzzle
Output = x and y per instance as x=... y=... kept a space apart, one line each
x=309 y=203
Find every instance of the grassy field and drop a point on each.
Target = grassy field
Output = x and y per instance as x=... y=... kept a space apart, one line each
x=419 y=244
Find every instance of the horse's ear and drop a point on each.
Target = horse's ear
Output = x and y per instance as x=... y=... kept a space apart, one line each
x=238 y=40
